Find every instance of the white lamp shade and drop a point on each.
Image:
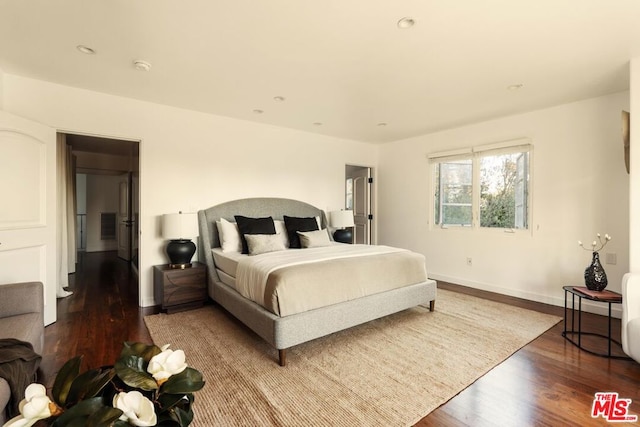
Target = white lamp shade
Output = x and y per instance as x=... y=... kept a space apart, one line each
x=179 y=226
x=341 y=219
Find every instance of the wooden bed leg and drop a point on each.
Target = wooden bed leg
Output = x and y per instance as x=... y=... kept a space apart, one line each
x=432 y=305
x=283 y=357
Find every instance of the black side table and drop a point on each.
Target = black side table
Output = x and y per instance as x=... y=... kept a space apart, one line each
x=569 y=334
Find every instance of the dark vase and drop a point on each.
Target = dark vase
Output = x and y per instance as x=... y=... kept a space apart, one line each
x=594 y=276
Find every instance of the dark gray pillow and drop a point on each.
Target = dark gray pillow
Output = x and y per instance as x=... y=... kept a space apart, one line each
x=248 y=225
x=294 y=224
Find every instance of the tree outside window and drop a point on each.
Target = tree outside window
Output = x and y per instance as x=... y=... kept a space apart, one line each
x=503 y=190
x=491 y=186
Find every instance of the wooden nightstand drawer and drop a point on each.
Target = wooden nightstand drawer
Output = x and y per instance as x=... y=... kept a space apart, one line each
x=177 y=289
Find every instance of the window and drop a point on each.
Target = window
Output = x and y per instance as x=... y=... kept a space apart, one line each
x=485 y=187
x=453 y=201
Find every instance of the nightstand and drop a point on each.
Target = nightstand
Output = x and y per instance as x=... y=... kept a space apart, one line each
x=180 y=289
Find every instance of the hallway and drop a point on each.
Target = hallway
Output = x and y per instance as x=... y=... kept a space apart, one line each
x=101 y=314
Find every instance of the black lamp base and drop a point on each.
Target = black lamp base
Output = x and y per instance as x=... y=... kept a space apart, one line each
x=343 y=235
x=180 y=252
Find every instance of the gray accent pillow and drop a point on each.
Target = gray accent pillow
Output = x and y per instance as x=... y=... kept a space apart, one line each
x=314 y=239
x=263 y=243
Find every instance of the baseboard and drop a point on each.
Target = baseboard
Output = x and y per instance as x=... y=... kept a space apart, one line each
x=587 y=306
x=148 y=302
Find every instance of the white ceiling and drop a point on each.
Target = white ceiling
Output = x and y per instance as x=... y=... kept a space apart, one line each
x=342 y=63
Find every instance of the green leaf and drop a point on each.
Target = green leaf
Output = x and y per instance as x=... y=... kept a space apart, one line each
x=89 y=384
x=130 y=370
x=146 y=352
x=184 y=418
x=104 y=417
x=167 y=422
x=81 y=411
x=168 y=401
x=65 y=377
x=187 y=381
x=177 y=417
x=77 y=422
x=134 y=362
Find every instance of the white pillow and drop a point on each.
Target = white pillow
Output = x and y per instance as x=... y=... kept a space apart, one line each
x=314 y=239
x=281 y=230
x=263 y=243
x=229 y=236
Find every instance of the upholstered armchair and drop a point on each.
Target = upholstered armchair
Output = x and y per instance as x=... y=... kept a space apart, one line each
x=631 y=315
x=22 y=318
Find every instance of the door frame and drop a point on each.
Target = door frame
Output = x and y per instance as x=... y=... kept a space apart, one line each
x=137 y=193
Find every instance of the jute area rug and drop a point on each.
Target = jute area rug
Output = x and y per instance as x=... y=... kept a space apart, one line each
x=388 y=372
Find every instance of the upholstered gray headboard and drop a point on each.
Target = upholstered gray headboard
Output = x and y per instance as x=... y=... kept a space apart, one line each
x=254 y=207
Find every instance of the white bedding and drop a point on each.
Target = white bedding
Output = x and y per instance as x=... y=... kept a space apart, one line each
x=227 y=261
x=316 y=286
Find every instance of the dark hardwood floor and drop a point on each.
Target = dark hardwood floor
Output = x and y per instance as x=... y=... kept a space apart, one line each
x=549 y=382
x=98 y=318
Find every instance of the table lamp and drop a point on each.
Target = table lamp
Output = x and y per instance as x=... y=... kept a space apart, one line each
x=179 y=228
x=342 y=221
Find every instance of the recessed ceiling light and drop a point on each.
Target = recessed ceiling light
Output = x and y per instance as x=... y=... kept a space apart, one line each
x=141 y=65
x=258 y=111
x=406 y=23
x=85 y=49
x=515 y=87
x=279 y=98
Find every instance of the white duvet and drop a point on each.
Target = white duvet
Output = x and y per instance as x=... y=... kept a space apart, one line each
x=253 y=271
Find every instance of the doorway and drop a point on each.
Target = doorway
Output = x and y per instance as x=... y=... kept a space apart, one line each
x=358 y=197
x=107 y=176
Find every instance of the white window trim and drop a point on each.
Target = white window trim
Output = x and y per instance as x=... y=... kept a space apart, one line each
x=474 y=153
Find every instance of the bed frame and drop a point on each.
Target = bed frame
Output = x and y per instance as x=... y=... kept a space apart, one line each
x=288 y=331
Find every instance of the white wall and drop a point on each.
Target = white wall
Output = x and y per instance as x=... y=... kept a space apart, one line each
x=1 y=88
x=634 y=156
x=190 y=160
x=580 y=188
x=102 y=196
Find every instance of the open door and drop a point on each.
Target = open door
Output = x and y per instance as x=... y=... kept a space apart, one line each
x=28 y=209
x=361 y=202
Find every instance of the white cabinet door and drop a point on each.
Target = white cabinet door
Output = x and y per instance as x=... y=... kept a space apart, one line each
x=28 y=206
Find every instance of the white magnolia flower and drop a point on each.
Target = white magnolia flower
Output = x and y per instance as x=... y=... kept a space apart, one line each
x=594 y=244
x=166 y=364
x=137 y=409
x=35 y=406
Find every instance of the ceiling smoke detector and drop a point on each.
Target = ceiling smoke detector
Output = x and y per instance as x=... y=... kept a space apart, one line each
x=406 y=23
x=141 y=65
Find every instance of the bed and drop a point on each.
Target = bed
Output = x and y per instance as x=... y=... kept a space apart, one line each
x=283 y=327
